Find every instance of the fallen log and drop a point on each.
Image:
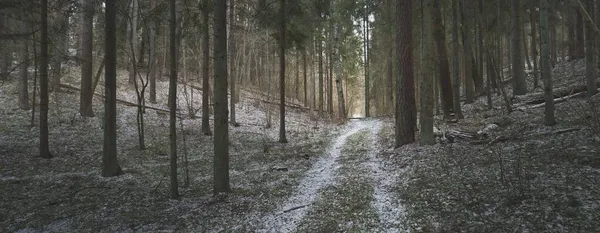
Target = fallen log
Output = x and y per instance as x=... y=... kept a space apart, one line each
x=276 y=102
x=124 y=102
x=556 y=101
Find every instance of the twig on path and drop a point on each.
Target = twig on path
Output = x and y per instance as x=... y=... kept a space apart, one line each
x=295 y=208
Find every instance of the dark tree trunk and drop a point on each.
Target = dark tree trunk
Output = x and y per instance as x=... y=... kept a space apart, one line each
x=442 y=60
x=233 y=58
x=174 y=190
x=24 y=71
x=518 y=72
x=282 y=40
x=205 y=68
x=44 y=146
x=406 y=114
x=591 y=72
x=87 y=72
x=110 y=164
x=455 y=60
x=545 y=62
x=221 y=138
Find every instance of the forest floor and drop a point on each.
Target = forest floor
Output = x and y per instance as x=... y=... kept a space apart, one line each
x=512 y=174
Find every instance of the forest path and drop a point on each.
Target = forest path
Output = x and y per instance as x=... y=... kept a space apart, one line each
x=347 y=189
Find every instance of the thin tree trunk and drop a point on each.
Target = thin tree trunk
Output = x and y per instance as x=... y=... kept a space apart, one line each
x=534 y=52
x=282 y=35
x=545 y=60
x=320 y=54
x=44 y=146
x=24 y=71
x=205 y=69
x=304 y=67
x=133 y=40
x=152 y=55
x=591 y=72
x=233 y=68
x=174 y=188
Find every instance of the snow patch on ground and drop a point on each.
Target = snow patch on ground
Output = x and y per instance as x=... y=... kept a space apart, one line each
x=319 y=176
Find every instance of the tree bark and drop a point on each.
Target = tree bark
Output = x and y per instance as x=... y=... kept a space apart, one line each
x=233 y=68
x=519 y=84
x=24 y=71
x=546 y=66
x=44 y=146
x=110 y=164
x=591 y=72
x=426 y=82
x=282 y=40
x=152 y=55
x=87 y=72
x=132 y=41
x=534 y=52
x=406 y=114
x=320 y=54
x=205 y=68
x=455 y=61
x=445 y=82
x=174 y=188
x=468 y=52
x=221 y=138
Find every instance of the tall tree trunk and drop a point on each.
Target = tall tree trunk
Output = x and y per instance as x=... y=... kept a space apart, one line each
x=205 y=68
x=87 y=72
x=546 y=66
x=426 y=82
x=330 y=69
x=297 y=82
x=445 y=81
x=44 y=146
x=110 y=164
x=174 y=190
x=304 y=67
x=132 y=30
x=24 y=71
x=455 y=61
x=232 y=67
x=61 y=49
x=518 y=73
x=366 y=59
x=221 y=138
x=591 y=72
x=154 y=25
x=534 y=52
x=406 y=114
x=468 y=51
x=282 y=40
x=320 y=54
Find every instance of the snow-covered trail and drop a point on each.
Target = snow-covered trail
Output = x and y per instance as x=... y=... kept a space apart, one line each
x=321 y=175
x=324 y=173
x=390 y=211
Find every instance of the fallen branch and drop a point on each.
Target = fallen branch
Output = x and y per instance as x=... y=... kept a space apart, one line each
x=295 y=208
x=556 y=101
